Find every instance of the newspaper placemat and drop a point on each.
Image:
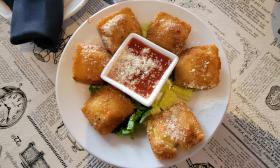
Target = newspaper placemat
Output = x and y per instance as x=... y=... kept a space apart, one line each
x=249 y=136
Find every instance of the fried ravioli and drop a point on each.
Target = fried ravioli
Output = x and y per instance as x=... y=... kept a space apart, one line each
x=89 y=62
x=173 y=128
x=107 y=108
x=169 y=32
x=115 y=28
x=198 y=68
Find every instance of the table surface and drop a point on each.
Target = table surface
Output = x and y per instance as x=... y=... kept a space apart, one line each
x=249 y=135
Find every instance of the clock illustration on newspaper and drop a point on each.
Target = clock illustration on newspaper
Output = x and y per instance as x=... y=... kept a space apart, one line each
x=13 y=103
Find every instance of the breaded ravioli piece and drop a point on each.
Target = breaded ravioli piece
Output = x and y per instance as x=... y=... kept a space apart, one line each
x=107 y=108
x=169 y=32
x=114 y=28
x=198 y=68
x=89 y=62
x=173 y=128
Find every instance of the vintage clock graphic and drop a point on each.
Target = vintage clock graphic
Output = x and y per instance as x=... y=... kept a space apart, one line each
x=13 y=103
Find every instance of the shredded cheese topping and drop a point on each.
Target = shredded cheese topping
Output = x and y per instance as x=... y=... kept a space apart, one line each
x=88 y=49
x=111 y=24
x=133 y=67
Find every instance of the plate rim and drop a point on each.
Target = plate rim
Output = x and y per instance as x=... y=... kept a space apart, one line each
x=217 y=42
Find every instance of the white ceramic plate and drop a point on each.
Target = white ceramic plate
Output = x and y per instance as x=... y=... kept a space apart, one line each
x=208 y=106
x=70 y=8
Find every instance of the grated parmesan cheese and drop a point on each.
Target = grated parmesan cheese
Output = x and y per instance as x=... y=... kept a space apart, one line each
x=173 y=127
x=111 y=24
x=167 y=24
x=139 y=67
x=133 y=68
x=88 y=49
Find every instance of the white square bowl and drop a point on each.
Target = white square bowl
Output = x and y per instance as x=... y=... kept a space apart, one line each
x=149 y=100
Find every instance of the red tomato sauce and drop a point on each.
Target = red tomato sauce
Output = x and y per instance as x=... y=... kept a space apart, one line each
x=139 y=67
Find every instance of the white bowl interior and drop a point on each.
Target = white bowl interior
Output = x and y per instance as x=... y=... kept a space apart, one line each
x=145 y=101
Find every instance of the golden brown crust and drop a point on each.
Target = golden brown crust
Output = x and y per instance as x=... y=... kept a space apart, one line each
x=89 y=62
x=173 y=128
x=114 y=28
x=107 y=108
x=169 y=32
x=198 y=67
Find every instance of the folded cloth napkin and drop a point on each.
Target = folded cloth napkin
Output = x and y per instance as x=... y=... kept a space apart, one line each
x=37 y=21
x=9 y=3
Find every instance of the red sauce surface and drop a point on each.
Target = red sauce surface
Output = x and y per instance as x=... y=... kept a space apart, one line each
x=142 y=82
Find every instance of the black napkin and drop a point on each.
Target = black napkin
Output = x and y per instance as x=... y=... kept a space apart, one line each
x=9 y=3
x=37 y=21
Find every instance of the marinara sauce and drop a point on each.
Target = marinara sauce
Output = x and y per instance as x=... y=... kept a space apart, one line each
x=139 y=67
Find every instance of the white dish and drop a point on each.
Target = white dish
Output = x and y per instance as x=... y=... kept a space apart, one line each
x=143 y=100
x=208 y=106
x=70 y=8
